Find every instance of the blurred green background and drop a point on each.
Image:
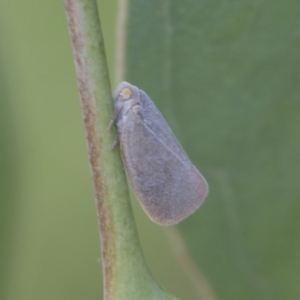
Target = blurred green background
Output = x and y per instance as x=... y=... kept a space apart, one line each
x=225 y=74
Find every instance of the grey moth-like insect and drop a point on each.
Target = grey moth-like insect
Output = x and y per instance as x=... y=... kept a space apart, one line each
x=166 y=183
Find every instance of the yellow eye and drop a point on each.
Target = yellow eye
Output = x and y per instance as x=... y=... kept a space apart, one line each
x=126 y=93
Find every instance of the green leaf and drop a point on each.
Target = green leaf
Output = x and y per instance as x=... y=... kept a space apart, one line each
x=8 y=180
x=225 y=75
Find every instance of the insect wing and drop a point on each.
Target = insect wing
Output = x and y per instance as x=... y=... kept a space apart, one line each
x=164 y=180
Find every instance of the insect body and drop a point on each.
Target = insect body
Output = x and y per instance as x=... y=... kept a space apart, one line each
x=166 y=183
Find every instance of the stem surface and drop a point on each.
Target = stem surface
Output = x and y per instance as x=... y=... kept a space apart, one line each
x=126 y=275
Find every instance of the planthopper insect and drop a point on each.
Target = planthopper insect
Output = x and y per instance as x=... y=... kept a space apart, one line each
x=167 y=184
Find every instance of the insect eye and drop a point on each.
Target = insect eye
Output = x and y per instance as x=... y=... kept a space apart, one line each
x=126 y=93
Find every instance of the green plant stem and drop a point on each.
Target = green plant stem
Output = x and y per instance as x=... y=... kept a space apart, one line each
x=126 y=275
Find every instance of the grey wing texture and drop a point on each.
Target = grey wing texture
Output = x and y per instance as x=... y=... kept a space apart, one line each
x=153 y=119
x=166 y=183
